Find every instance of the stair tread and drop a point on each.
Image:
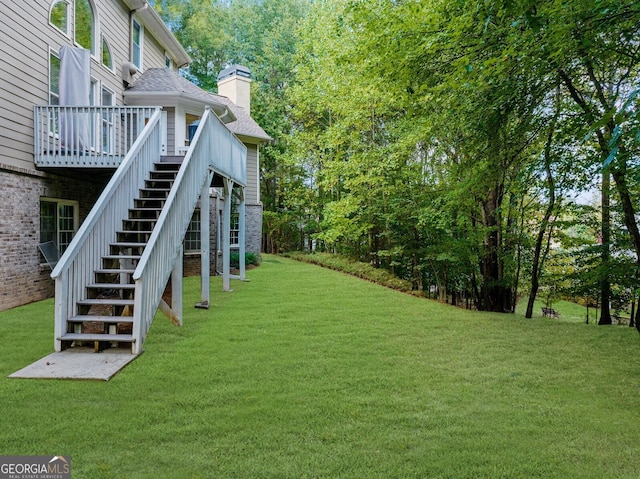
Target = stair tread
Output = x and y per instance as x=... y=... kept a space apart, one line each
x=128 y=338
x=122 y=256
x=112 y=285
x=114 y=271
x=170 y=159
x=127 y=243
x=107 y=301
x=83 y=318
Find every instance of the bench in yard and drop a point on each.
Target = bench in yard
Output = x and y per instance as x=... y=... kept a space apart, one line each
x=550 y=313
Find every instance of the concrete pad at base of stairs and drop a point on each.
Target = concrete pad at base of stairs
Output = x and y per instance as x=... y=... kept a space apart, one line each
x=78 y=363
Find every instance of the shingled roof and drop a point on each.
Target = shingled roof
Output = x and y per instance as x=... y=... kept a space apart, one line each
x=164 y=81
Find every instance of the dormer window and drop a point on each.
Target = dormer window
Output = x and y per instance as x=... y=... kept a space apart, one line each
x=85 y=25
x=59 y=16
x=136 y=43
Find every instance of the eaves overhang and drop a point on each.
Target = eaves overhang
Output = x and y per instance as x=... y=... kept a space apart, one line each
x=175 y=99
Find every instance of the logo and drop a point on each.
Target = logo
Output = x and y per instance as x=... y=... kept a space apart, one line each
x=35 y=467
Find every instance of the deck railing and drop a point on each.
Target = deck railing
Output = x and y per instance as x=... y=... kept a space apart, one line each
x=86 y=136
x=83 y=256
x=214 y=148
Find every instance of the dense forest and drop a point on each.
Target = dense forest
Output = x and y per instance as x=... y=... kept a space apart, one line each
x=487 y=151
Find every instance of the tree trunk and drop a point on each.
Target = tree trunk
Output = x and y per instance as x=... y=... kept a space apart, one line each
x=605 y=285
x=538 y=258
x=495 y=295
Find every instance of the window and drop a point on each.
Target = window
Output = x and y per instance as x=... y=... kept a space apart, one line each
x=107 y=60
x=234 y=228
x=168 y=62
x=59 y=16
x=108 y=134
x=85 y=25
x=138 y=35
x=192 y=243
x=58 y=222
x=54 y=78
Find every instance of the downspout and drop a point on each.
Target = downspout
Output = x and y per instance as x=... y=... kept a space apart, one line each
x=225 y=114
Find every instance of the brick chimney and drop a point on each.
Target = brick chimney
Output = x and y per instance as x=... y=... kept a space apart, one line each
x=234 y=82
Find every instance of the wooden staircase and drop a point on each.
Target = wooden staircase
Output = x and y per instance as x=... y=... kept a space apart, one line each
x=105 y=315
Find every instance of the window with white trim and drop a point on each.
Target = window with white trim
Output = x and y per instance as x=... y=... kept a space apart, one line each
x=58 y=222
x=85 y=25
x=192 y=241
x=234 y=227
x=136 y=45
x=54 y=78
x=59 y=15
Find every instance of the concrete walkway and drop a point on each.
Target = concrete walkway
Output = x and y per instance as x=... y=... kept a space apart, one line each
x=78 y=363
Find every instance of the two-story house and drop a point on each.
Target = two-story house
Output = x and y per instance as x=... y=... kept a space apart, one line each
x=106 y=154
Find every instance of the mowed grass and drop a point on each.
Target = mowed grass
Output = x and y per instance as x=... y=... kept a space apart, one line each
x=304 y=372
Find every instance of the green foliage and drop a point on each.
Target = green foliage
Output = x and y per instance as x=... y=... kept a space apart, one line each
x=250 y=259
x=354 y=268
x=460 y=106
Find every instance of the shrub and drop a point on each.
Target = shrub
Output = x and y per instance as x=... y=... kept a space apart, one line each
x=355 y=268
x=249 y=259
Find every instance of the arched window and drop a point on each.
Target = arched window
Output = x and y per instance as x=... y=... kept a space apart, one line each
x=59 y=15
x=107 y=60
x=85 y=25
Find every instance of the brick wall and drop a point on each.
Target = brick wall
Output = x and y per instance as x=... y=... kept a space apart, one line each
x=23 y=279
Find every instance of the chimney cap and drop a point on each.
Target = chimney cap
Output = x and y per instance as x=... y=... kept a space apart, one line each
x=233 y=70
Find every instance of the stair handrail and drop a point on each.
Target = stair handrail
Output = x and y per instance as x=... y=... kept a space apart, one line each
x=213 y=147
x=84 y=254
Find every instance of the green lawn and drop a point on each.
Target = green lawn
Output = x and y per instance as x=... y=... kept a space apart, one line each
x=304 y=372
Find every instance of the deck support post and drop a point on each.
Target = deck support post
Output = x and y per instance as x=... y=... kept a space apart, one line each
x=241 y=232
x=226 y=235
x=205 y=243
x=176 y=288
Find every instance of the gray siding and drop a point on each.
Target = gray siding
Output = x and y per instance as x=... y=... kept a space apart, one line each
x=23 y=75
x=153 y=52
x=253 y=175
